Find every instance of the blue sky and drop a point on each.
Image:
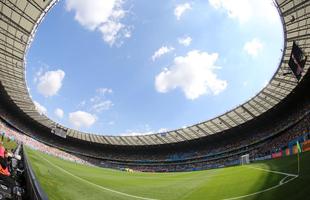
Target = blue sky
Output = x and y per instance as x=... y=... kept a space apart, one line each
x=126 y=67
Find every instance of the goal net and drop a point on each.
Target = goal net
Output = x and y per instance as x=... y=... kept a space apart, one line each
x=245 y=159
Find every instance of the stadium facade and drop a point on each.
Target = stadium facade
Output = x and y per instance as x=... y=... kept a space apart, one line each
x=279 y=107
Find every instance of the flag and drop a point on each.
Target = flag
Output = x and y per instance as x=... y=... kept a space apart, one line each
x=298 y=147
x=297 y=60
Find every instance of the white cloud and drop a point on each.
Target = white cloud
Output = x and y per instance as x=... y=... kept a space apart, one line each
x=266 y=10
x=111 y=123
x=244 y=10
x=81 y=119
x=143 y=129
x=37 y=75
x=161 y=51
x=253 y=47
x=99 y=102
x=239 y=9
x=146 y=132
x=102 y=105
x=185 y=41
x=193 y=74
x=59 y=113
x=50 y=82
x=265 y=83
x=81 y=104
x=162 y=130
x=180 y=9
x=104 y=16
x=104 y=91
x=41 y=109
x=132 y=133
x=43 y=68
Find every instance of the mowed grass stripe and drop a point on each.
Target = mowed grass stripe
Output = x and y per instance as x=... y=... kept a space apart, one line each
x=210 y=184
x=95 y=185
x=121 y=180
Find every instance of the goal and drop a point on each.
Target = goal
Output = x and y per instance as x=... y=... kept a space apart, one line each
x=245 y=159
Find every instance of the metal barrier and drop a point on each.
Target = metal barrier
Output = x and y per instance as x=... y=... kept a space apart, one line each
x=33 y=188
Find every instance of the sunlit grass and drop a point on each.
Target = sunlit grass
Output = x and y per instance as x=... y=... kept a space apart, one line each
x=66 y=180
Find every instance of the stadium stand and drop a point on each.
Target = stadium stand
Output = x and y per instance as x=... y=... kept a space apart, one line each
x=262 y=126
x=267 y=126
x=259 y=141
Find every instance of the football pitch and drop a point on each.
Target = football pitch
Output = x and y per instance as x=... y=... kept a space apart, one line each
x=268 y=180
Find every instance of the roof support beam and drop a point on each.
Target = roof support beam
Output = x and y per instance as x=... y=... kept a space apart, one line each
x=224 y=122
x=232 y=119
x=254 y=107
x=208 y=127
x=290 y=82
x=160 y=138
x=105 y=141
x=271 y=96
x=299 y=37
x=9 y=35
x=181 y=136
x=125 y=141
x=299 y=6
x=247 y=111
x=194 y=131
x=144 y=143
x=200 y=129
x=9 y=22
x=276 y=92
x=21 y=13
x=239 y=115
x=11 y=55
x=185 y=134
x=281 y=87
x=219 y=127
x=265 y=100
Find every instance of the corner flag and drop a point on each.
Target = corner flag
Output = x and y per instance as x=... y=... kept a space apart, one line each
x=298 y=147
x=299 y=151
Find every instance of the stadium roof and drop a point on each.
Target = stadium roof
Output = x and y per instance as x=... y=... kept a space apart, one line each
x=19 y=21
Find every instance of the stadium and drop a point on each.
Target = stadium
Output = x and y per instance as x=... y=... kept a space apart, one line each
x=258 y=150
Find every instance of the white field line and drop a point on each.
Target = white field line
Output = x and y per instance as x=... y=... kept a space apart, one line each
x=281 y=183
x=93 y=184
x=262 y=191
x=271 y=171
x=283 y=180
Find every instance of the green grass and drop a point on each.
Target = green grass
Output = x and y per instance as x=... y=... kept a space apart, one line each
x=9 y=144
x=66 y=180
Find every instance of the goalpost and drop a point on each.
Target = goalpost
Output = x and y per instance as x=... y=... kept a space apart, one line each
x=245 y=159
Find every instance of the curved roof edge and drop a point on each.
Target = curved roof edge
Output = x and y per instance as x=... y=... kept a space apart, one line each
x=20 y=20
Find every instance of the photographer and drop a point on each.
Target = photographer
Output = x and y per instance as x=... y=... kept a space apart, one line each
x=11 y=177
x=4 y=167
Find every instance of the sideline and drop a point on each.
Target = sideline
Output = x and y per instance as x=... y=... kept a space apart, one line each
x=281 y=183
x=93 y=184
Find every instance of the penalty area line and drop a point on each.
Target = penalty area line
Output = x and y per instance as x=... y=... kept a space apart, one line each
x=262 y=191
x=271 y=171
x=281 y=183
x=93 y=184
